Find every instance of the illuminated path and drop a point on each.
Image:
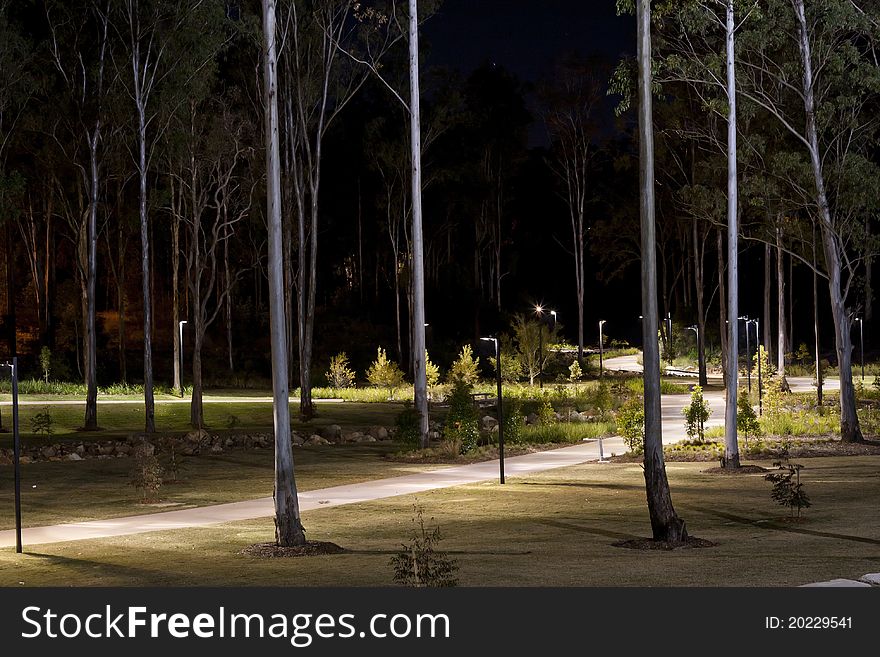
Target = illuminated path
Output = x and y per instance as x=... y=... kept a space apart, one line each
x=315 y=499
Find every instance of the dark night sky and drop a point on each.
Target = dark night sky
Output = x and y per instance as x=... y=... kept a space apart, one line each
x=526 y=36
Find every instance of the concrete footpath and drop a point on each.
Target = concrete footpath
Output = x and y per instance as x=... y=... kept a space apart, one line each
x=322 y=498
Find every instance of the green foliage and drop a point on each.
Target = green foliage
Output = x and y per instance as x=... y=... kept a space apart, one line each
x=787 y=487
x=746 y=419
x=432 y=371
x=563 y=401
x=514 y=421
x=419 y=563
x=232 y=421
x=45 y=362
x=565 y=432
x=546 y=414
x=340 y=374
x=146 y=475
x=803 y=355
x=602 y=399
x=41 y=423
x=575 y=373
x=384 y=373
x=461 y=425
x=631 y=424
x=408 y=425
x=511 y=367
x=466 y=368
x=695 y=415
x=532 y=340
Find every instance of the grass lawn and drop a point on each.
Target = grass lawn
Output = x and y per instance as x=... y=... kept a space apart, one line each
x=92 y=489
x=555 y=528
x=121 y=419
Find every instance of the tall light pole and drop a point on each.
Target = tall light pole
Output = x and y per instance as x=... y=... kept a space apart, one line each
x=500 y=405
x=862 y=342
x=601 y=350
x=748 y=354
x=757 y=323
x=16 y=449
x=180 y=342
x=696 y=331
x=669 y=337
x=539 y=311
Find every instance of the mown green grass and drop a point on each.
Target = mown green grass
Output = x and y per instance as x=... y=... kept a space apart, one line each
x=117 y=419
x=552 y=529
x=57 y=492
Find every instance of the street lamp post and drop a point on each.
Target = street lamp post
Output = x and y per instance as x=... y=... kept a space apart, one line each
x=757 y=323
x=16 y=450
x=601 y=350
x=862 y=342
x=180 y=331
x=539 y=311
x=696 y=331
x=500 y=405
x=748 y=354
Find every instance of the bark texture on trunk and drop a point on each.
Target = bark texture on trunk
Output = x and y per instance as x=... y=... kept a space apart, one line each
x=767 y=322
x=288 y=525
x=850 y=431
x=731 y=446
x=665 y=524
x=420 y=384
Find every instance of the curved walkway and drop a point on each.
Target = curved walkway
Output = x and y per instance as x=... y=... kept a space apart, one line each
x=321 y=498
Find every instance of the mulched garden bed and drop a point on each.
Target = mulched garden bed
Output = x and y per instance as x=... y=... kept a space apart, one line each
x=310 y=549
x=651 y=544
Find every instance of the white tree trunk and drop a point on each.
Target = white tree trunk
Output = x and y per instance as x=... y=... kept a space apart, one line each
x=418 y=268
x=850 y=431
x=731 y=447
x=665 y=524
x=288 y=526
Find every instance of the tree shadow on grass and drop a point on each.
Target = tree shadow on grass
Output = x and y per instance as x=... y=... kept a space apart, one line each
x=97 y=569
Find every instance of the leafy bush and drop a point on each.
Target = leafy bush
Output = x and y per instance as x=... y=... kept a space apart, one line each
x=787 y=487
x=340 y=374
x=631 y=425
x=420 y=563
x=511 y=367
x=466 y=368
x=746 y=420
x=384 y=373
x=408 y=425
x=575 y=373
x=546 y=414
x=513 y=420
x=695 y=415
x=461 y=420
x=432 y=372
x=45 y=362
x=41 y=423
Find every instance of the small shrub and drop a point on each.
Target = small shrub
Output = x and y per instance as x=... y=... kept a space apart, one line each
x=746 y=421
x=432 y=372
x=174 y=465
x=631 y=425
x=340 y=374
x=384 y=373
x=787 y=487
x=511 y=367
x=461 y=420
x=695 y=415
x=407 y=423
x=513 y=420
x=45 y=362
x=147 y=473
x=232 y=421
x=420 y=563
x=41 y=423
x=575 y=373
x=603 y=400
x=546 y=415
x=466 y=368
